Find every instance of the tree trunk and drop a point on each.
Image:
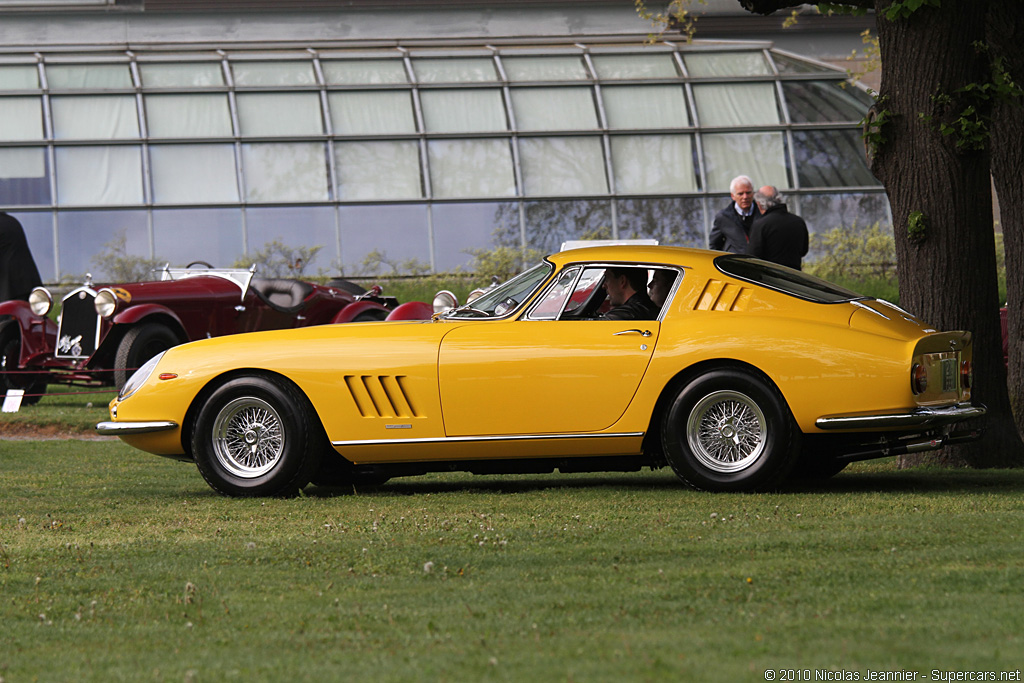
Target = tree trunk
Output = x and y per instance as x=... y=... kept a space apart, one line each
x=1005 y=26
x=940 y=194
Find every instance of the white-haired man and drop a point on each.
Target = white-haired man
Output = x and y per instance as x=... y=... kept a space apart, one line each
x=777 y=235
x=731 y=228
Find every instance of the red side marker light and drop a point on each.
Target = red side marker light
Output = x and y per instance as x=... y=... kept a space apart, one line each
x=168 y=375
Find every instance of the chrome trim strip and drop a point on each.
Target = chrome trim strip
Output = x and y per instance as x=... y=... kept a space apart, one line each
x=869 y=309
x=916 y=418
x=467 y=439
x=122 y=428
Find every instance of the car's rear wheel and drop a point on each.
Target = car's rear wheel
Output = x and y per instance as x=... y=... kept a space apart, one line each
x=729 y=430
x=138 y=345
x=11 y=376
x=256 y=436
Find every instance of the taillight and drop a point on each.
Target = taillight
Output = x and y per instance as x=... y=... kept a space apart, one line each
x=966 y=374
x=918 y=378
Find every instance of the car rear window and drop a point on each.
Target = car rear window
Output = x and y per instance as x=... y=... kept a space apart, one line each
x=785 y=280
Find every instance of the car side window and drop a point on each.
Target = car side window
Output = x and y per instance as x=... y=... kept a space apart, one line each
x=550 y=305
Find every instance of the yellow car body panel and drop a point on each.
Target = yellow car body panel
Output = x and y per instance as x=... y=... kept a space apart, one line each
x=514 y=387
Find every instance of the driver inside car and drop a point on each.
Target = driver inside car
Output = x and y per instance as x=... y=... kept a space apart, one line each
x=627 y=293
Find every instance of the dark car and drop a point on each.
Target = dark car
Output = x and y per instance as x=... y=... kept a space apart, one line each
x=105 y=332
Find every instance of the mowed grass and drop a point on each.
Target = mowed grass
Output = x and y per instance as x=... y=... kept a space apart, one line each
x=117 y=565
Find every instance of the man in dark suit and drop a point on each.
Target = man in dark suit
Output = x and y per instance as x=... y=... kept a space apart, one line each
x=18 y=272
x=732 y=224
x=778 y=235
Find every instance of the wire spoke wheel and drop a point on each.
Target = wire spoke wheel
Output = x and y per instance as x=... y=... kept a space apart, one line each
x=248 y=437
x=727 y=431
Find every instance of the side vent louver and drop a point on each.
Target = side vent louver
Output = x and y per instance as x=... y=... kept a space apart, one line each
x=380 y=396
x=722 y=296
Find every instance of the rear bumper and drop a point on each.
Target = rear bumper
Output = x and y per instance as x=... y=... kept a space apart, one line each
x=130 y=428
x=919 y=417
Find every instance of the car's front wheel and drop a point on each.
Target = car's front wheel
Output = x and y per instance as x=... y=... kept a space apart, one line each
x=729 y=430
x=138 y=345
x=257 y=436
x=11 y=376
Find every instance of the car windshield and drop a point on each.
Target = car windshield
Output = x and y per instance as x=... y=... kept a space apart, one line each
x=785 y=280
x=506 y=297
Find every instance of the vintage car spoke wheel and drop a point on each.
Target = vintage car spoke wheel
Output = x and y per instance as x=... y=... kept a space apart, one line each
x=138 y=345
x=11 y=377
x=729 y=430
x=257 y=436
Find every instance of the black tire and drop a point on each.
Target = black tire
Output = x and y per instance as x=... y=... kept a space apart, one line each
x=729 y=430
x=257 y=436
x=347 y=285
x=11 y=376
x=138 y=345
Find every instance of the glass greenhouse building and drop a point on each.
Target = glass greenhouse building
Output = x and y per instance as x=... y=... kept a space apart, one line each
x=419 y=152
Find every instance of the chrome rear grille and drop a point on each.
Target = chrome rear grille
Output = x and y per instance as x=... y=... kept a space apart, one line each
x=78 y=334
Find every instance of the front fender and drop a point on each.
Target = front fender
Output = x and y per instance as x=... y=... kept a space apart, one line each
x=136 y=314
x=412 y=310
x=354 y=310
x=38 y=334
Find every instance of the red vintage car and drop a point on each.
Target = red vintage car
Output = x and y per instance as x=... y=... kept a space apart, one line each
x=105 y=332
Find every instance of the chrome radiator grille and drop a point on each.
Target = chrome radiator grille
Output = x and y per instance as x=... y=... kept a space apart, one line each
x=79 y=330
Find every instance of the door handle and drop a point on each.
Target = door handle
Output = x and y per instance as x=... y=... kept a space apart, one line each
x=642 y=333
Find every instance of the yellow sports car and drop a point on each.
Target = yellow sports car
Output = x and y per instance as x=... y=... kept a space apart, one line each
x=736 y=373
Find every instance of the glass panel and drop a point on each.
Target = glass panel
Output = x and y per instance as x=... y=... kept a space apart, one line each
x=389 y=169
x=181 y=236
x=96 y=117
x=550 y=304
x=371 y=113
x=671 y=221
x=21 y=118
x=463 y=111
x=471 y=168
x=647 y=164
x=661 y=106
x=63 y=76
x=758 y=155
x=19 y=78
x=99 y=176
x=849 y=212
x=461 y=228
x=791 y=65
x=364 y=71
x=562 y=166
x=736 y=104
x=824 y=101
x=398 y=233
x=454 y=70
x=554 y=109
x=188 y=116
x=280 y=114
x=831 y=158
x=24 y=177
x=635 y=66
x=285 y=172
x=276 y=224
x=82 y=235
x=711 y=64
x=181 y=75
x=544 y=68
x=548 y=224
x=273 y=73
x=194 y=174
x=39 y=234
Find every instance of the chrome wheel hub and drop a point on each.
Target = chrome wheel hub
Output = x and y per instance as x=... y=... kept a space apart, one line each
x=248 y=437
x=726 y=431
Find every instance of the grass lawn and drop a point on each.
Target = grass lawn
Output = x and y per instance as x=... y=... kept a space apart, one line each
x=116 y=565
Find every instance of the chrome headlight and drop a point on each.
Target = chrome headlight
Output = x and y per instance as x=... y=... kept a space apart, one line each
x=40 y=301
x=444 y=301
x=139 y=377
x=105 y=303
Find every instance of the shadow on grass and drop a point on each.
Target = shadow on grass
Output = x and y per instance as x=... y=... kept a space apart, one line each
x=895 y=481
